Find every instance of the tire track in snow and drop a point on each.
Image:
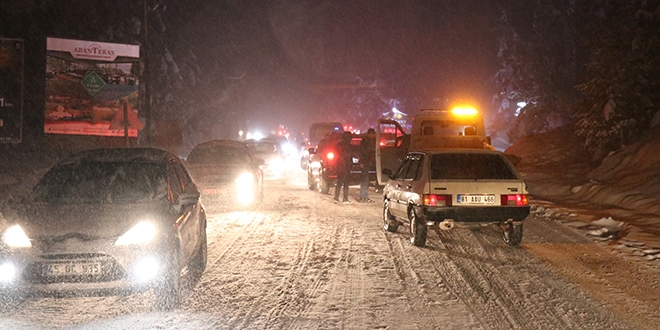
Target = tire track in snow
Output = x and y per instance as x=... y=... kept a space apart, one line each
x=433 y=306
x=491 y=278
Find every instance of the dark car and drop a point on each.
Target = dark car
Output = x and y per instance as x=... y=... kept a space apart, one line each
x=227 y=171
x=317 y=131
x=446 y=186
x=106 y=221
x=322 y=173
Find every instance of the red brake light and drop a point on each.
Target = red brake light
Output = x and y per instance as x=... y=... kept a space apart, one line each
x=436 y=200
x=515 y=200
x=330 y=155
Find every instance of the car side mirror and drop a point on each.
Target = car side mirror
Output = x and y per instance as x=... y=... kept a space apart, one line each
x=187 y=199
x=311 y=151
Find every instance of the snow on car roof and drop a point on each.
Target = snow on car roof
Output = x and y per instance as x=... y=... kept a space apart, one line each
x=151 y=155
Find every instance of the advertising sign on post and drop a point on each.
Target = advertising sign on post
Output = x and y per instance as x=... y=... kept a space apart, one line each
x=11 y=90
x=88 y=84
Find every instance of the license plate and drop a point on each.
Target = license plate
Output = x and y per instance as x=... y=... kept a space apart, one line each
x=211 y=191
x=476 y=199
x=65 y=269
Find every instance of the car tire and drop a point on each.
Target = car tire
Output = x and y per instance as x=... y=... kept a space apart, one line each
x=167 y=292
x=418 y=229
x=512 y=234
x=324 y=188
x=389 y=222
x=310 y=182
x=197 y=265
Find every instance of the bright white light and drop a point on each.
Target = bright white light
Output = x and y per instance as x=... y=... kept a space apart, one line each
x=520 y=105
x=245 y=179
x=7 y=272
x=141 y=233
x=146 y=269
x=289 y=149
x=257 y=136
x=240 y=133
x=277 y=165
x=15 y=237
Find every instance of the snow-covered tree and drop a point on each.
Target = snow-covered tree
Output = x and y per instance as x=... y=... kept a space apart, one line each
x=622 y=88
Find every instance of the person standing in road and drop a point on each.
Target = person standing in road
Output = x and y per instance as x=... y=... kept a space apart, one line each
x=344 y=162
x=367 y=162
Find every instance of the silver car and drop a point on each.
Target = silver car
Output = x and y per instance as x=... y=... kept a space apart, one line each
x=106 y=221
x=445 y=187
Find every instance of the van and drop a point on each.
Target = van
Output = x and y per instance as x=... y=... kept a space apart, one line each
x=460 y=127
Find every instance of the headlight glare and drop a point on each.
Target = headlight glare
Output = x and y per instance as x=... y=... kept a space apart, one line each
x=142 y=233
x=14 y=236
x=245 y=178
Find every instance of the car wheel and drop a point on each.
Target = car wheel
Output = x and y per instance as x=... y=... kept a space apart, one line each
x=390 y=223
x=303 y=164
x=418 y=229
x=512 y=233
x=310 y=182
x=167 y=292
x=324 y=188
x=197 y=265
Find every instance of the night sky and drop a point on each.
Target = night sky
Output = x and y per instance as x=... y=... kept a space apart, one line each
x=298 y=61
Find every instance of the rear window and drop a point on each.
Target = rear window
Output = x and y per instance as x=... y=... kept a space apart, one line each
x=463 y=166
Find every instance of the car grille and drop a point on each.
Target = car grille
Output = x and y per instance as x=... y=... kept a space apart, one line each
x=110 y=269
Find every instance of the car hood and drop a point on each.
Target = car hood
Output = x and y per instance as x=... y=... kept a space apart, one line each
x=41 y=220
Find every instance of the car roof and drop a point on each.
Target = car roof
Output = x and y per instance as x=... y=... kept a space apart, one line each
x=223 y=143
x=457 y=151
x=140 y=154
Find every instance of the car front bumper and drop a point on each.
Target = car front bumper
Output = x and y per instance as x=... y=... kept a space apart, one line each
x=74 y=267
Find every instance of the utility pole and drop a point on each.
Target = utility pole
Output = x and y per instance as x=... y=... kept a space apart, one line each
x=148 y=132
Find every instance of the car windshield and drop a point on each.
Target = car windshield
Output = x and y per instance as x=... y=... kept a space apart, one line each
x=263 y=148
x=102 y=182
x=218 y=154
x=454 y=166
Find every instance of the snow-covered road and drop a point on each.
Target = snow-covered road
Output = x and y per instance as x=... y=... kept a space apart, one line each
x=301 y=262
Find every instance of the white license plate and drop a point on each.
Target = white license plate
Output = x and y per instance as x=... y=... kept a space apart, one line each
x=476 y=199
x=212 y=191
x=64 y=269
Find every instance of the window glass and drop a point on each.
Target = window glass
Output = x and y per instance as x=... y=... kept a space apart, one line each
x=414 y=172
x=464 y=166
x=102 y=182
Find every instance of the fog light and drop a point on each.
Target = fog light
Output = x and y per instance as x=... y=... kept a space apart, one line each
x=7 y=272
x=146 y=269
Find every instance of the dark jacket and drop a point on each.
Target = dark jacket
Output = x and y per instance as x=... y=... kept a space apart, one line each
x=344 y=154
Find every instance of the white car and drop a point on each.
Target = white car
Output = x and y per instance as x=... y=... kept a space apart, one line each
x=445 y=187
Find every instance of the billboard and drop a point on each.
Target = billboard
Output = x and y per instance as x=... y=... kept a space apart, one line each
x=89 y=85
x=11 y=90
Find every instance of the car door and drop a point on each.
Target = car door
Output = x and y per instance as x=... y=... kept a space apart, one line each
x=409 y=190
x=391 y=147
x=394 y=189
x=187 y=220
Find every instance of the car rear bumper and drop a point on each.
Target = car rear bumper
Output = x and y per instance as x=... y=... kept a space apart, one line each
x=473 y=214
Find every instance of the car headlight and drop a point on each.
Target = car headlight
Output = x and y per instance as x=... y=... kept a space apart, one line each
x=277 y=165
x=245 y=178
x=143 y=232
x=14 y=236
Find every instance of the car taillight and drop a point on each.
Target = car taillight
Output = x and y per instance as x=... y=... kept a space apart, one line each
x=330 y=155
x=515 y=200
x=436 y=200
